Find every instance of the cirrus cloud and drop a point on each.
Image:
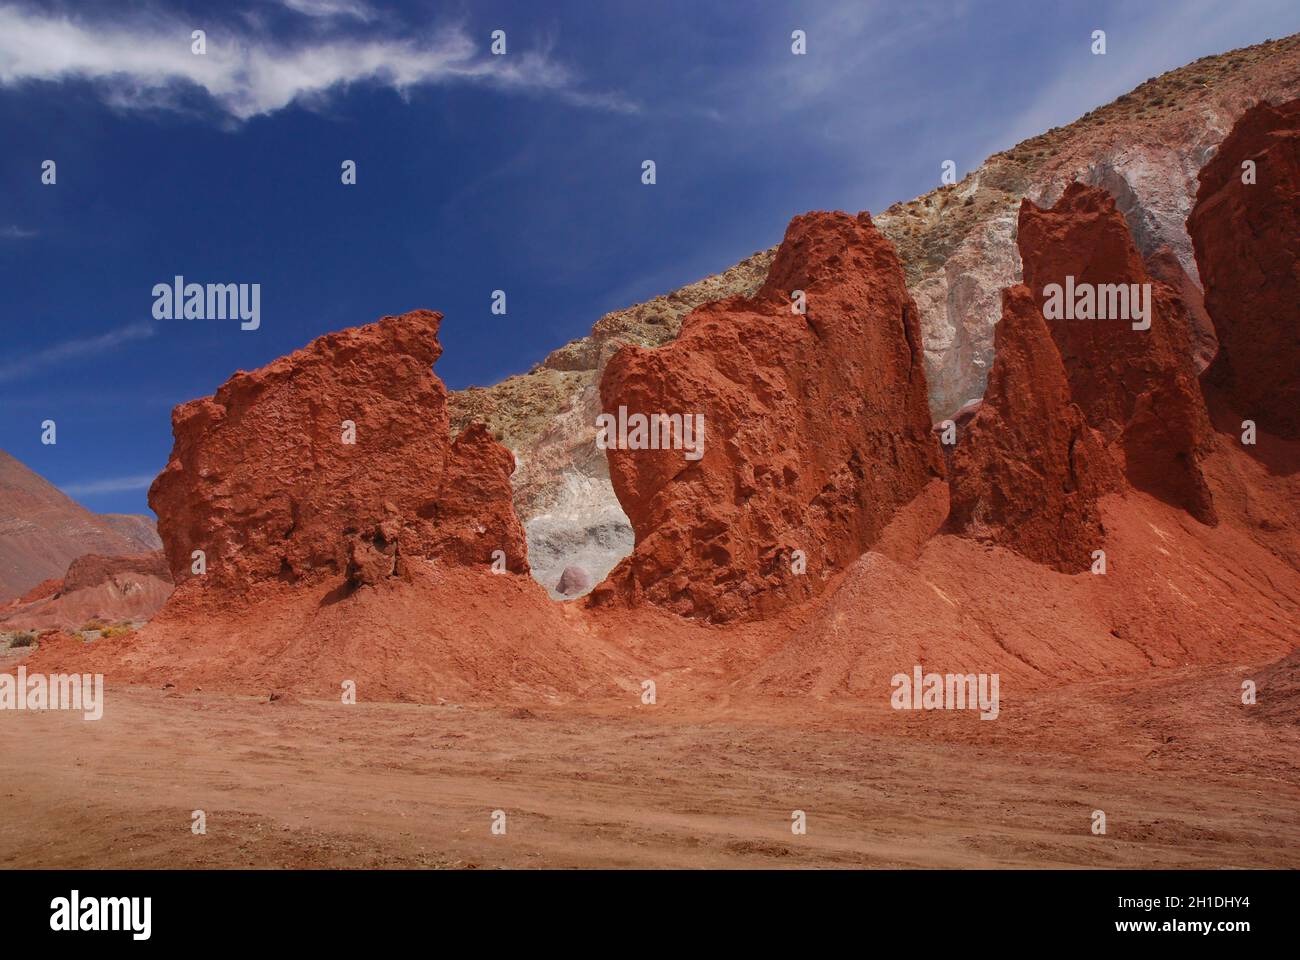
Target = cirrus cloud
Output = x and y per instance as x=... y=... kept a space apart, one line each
x=356 y=9
x=149 y=62
x=90 y=488
x=40 y=360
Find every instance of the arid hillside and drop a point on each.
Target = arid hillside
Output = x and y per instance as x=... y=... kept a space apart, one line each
x=958 y=249
x=42 y=530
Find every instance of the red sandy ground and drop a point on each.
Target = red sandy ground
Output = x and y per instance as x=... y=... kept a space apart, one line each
x=1186 y=776
x=1119 y=693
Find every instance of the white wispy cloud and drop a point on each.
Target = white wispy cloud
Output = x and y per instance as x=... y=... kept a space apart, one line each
x=849 y=43
x=15 y=232
x=89 y=488
x=327 y=9
x=40 y=360
x=149 y=62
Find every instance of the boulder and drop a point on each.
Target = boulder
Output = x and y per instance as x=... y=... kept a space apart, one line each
x=573 y=581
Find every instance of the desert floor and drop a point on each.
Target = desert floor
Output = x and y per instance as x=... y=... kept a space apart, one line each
x=1187 y=777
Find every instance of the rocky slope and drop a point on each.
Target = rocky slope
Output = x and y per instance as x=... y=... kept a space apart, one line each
x=136 y=527
x=958 y=248
x=1145 y=149
x=815 y=430
x=42 y=530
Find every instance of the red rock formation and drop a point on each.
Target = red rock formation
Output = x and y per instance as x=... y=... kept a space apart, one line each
x=92 y=570
x=1137 y=387
x=43 y=590
x=262 y=480
x=1247 y=241
x=1029 y=470
x=816 y=430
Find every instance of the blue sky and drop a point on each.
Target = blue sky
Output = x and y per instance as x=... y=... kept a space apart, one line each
x=475 y=172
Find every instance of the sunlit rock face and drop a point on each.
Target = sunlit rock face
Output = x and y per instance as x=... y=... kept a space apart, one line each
x=804 y=427
x=335 y=459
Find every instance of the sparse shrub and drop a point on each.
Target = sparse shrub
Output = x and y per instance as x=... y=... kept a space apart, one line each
x=24 y=639
x=94 y=623
x=114 y=631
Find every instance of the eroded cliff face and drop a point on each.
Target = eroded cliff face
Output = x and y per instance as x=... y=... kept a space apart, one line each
x=336 y=459
x=958 y=248
x=1097 y=361
x=1246 y=229
x=816 y=430
x=1125 y=342
x=1165 y=266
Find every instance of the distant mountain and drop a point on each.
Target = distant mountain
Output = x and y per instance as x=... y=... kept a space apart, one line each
x=111 y=589
x=136 y=527
x=42 y=530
